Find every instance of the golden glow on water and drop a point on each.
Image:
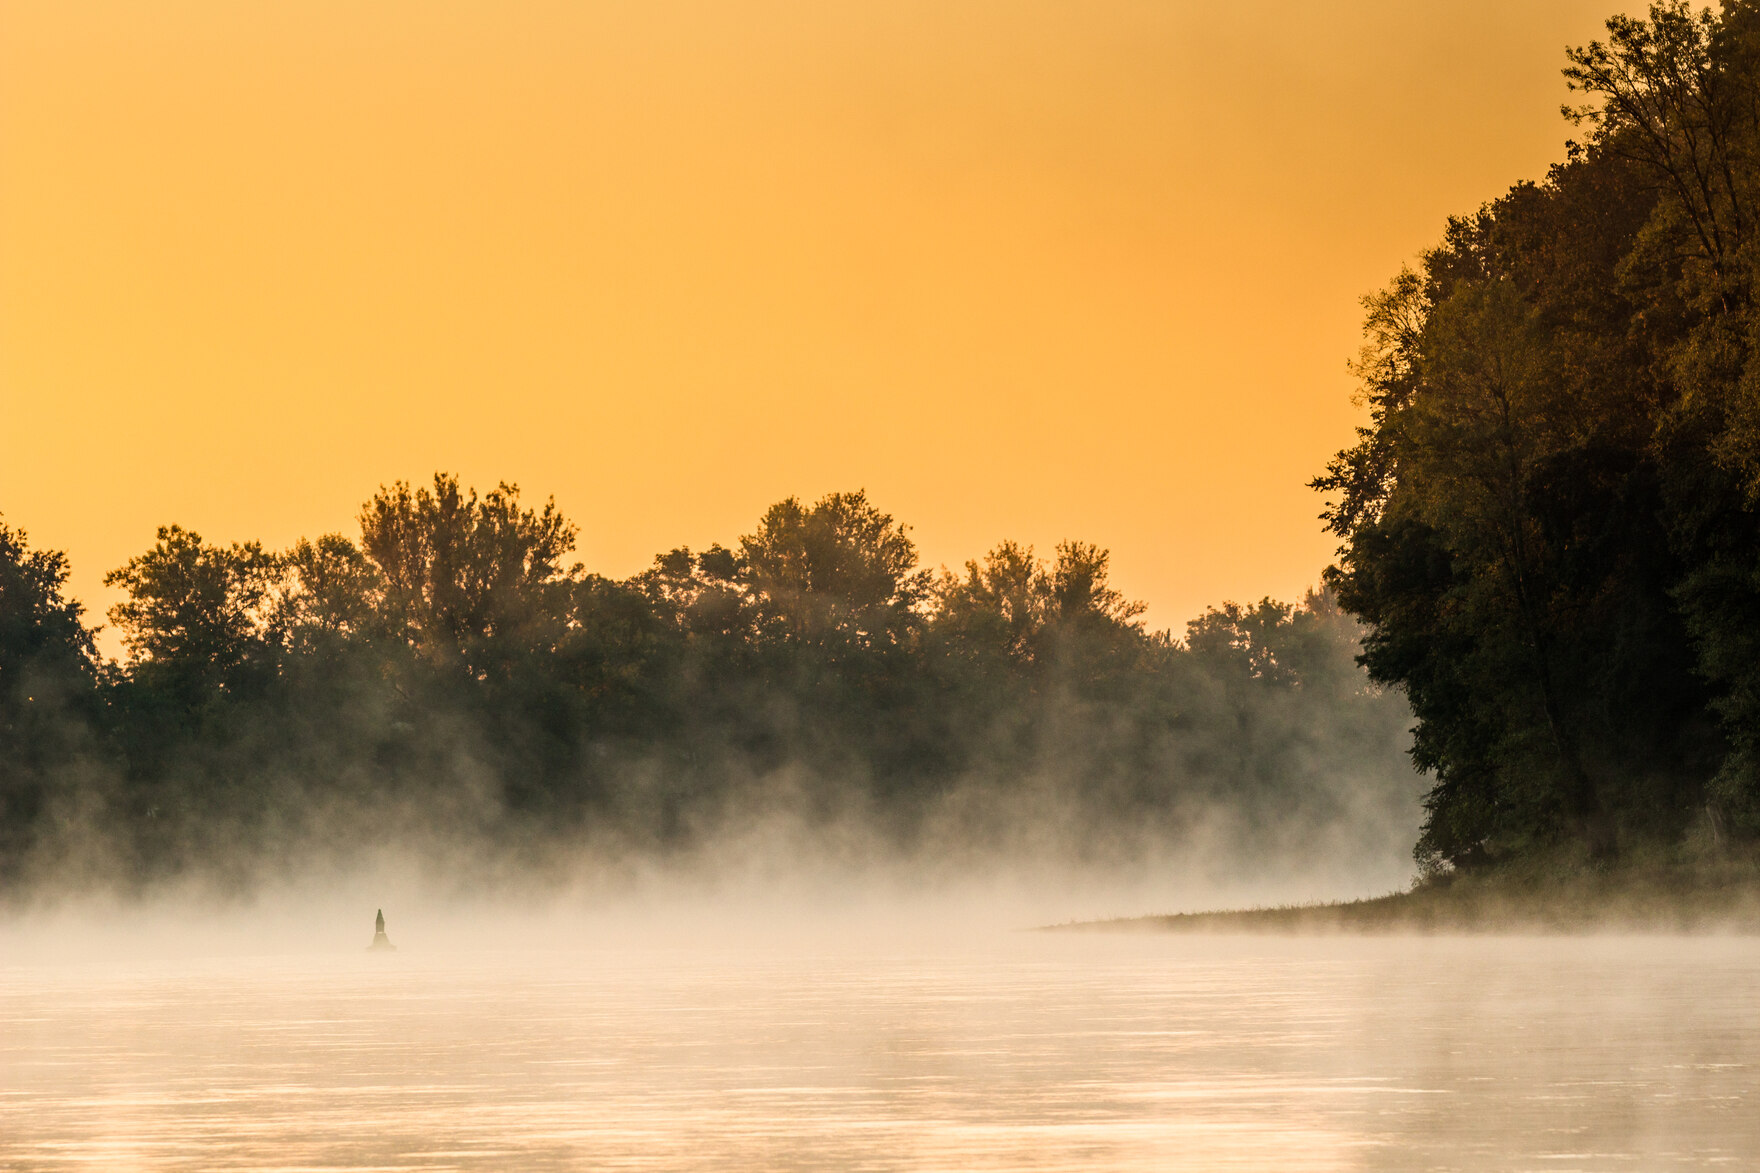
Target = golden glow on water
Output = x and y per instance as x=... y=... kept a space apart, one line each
x=1023 y=1051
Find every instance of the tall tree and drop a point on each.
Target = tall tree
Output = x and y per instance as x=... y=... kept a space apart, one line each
x=1511 y=515
x=474 y=584
x=837 y=573
x=47 y=675
x=198 y=619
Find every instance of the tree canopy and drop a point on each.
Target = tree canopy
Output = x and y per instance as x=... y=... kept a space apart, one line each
x=450 y=680
x=1548 y=523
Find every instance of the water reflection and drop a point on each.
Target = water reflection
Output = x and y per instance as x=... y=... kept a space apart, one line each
x=1028 y=1051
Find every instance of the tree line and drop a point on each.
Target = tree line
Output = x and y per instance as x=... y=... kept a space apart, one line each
x=450 y=678
x=1551 y=523
x=1550 y=550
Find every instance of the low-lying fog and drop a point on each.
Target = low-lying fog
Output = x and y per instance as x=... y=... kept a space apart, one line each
x=845 y=1026
x=774 y=896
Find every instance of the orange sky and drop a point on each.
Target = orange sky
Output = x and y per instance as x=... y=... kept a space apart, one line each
x=1021 y=269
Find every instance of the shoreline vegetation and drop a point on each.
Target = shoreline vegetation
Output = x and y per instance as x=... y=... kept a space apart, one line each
x=452 y=688
x=1546 y=604
x=1550 y=522
x=1710 y=894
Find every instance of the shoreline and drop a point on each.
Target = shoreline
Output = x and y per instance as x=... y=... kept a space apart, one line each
x=1668 y=900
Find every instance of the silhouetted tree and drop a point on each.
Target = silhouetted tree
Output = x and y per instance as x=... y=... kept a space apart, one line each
x=472 y=584
x=452 y=680
x=198 y=617
x=47 y=678
x=1545 y=509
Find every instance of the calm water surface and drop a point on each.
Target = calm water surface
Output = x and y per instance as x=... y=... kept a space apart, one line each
x=1021 y=1051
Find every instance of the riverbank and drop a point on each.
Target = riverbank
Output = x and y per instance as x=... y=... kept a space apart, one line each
x=1721 y=896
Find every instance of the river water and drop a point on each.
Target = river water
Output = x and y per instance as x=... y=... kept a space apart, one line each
x=981 y=1050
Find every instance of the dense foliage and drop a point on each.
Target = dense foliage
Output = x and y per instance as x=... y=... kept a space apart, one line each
x=453 y=682
x=1550 y=523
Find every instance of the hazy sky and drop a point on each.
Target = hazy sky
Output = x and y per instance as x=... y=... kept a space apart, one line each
x=1021 y=269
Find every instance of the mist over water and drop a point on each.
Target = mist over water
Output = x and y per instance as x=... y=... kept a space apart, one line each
x=773 y=884
x=743 y=861
x=771 y=915
x=770 y=855
x=790 y=982
x=855 y=1031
